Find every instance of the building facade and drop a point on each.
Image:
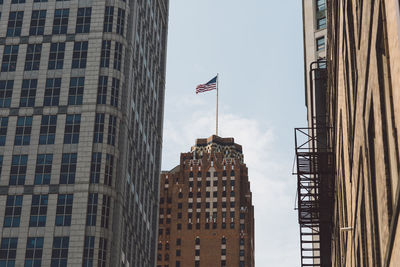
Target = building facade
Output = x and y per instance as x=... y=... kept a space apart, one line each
x=206 y=212
x=81 y=110
x=361 y=118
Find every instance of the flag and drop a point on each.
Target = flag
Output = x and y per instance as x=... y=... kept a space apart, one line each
x=211 y=85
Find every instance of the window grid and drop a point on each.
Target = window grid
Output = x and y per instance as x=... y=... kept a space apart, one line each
x=43 y=169
x=105 y=211
x=38 y=211
x=52 y=92
x=34 y=251
x=83 y=20
x=112 y=129
x=114 y=92
x=12 y=216
x=60 y=22
x=59 y=253
x=102 y=252
x=23 y=131
x=102 y=90
x=10 y=57
x=3 y=130
x=117 y=56
x=38 y=21
x=64 y=209
x=72 y=128
x=18 y=169
x=99 y=128
x=92 y=209
x=108 y=19
x=8 y=251
x=28 y=93
x=95 y=168
x=56 y=56
x=108 y=176
x=48 y=130
x=79 y=55
x=120 y=21
x=32 y=59
x=105 y=54
x=15 y=20
x=88 y=251
x=76 y=87
x=68 y=168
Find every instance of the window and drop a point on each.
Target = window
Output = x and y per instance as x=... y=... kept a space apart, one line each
x=114 y=92
x=108 y=176
x=321 y=23
x=38 y=21
x=64 y=209
x=59 y=254
x=3 y=130
x=72 y=128
x=76 y=86
x=10 y=57
x=95 y=168
x=8 y=251
x=68 y=168
x=88 y=251
x=102 y=252
x=105 y=54
x=56 y=56
x=33 y=54
x=23 y=131
x=92 y=209
x=112 y=128
x=321 y=5
x=15 y=23
x=38 y=211
x=12 y=215
x=6 y=88
x=120 y=21
x=321 y=43
x=60 y=23
x=18 y=169
x=43 y=168
x=28 y=93
x=80 y=55
x=108 y=19
x=52 y=92
x=223 y=241
x=117 y=56
x=48 y=130
x=34 y=251
x=101 y=90
x=83 y=20
x=98 y=128
x=105 y=211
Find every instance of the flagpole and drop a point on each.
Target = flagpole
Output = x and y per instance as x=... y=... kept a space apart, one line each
x=217 y=106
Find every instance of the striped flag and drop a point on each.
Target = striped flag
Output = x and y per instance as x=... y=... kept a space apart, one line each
x=211 y=85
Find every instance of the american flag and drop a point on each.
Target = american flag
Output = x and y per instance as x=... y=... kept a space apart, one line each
x=211 y=85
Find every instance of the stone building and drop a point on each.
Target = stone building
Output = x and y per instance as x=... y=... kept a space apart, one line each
x=81 y=110
x=206 y=212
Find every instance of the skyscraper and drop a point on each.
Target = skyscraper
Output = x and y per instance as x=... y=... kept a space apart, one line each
x=81 y=110
x=206 y=212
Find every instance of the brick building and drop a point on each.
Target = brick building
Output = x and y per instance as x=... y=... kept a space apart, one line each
x=206 y=212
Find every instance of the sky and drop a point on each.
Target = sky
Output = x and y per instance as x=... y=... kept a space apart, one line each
x=256 y=46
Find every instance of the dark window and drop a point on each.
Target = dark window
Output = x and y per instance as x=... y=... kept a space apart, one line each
x=38 y=211
x=102 y=90
x=64 y=209
x=10 y=57
x=112 y=129
x=95 y=168
x=68 y=168
x=102 y=252
x=88 y=251
x=23 y=131
x=6 y=88
x=178 y=242
x=28 y=93
x=72 y=128
x=15 y=20
x=117 y=56
x=108 y=19
x=18 y=169
x=43 y=168
x=83 y=20
x=59 y=254
x=105 y=211
x=48 y=129
x=223 y=241
x=56 y=56
x=105 y=54
x=60 y=23
x=321 y=23
x=76 y=87
x=52 y=92
x=8 y=251
x=114 y=92
x=12 y=216
x=320 y=43
x=34 y=251
x=33 y=54
x=3 y=130
x=98 y=128
x=108 y=176
x=38 y=21
x=120 y=21
x=92 y=209
x=79 y=55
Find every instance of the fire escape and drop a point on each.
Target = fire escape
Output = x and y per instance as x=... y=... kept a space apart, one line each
x=315 y=162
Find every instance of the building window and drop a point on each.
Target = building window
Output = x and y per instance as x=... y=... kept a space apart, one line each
x=23 y=131
x=8 y=251
x=105 y=211
x=72 y=128
x=114 y=92
x=6 y=88
x=43 y=169
x=112 y=128
x=52 y=92
x=34 y=251
x=98 y=128
x=120 y=21
x=79 y=56
x=105 y=54
x=38 y=21
x=108 y=176
x=64 y=209
x=56 y=56
x=117 y=56
x=321 y=5
x=321 y=23
x=68 y=168
x=18 y=169
x=38 y=211
x=48 y=130
x=95 y=168
x=76 y=86
x=102 y=90
x=83 y=20
x=12 y=215
x=60 y=23
x=102 y=252
x=10 y=57
x=59 y=254
x=92 y=209
x=88 y=251
x=321 y=43
x=3 y=130
x=15 y=20
x=33 y=54
x=28 y=93
x=108 y=19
